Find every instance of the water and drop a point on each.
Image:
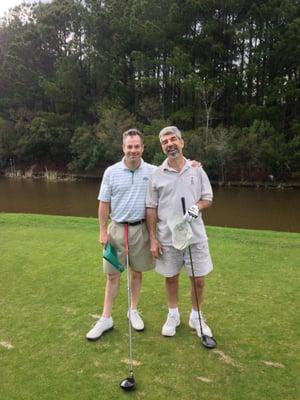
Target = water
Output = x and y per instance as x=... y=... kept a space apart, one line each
x=233 y=207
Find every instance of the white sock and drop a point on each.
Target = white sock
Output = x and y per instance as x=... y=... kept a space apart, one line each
x=174 y=312
x=105 y=318
x=194 y=314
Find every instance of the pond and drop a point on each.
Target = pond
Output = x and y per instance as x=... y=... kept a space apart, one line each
x=241 y=207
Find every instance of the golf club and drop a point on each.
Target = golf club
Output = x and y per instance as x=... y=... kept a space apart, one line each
x=207 y=341
x=129 y=382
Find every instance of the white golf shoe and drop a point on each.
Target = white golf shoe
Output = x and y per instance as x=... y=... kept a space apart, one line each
x=101 y=326
x=136 y=320
x=169 y=328
x=194 y=324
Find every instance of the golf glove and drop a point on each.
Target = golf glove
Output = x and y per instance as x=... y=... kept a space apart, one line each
x=192 y=213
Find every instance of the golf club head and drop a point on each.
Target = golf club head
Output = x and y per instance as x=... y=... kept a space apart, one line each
x=209 y=342
x=128 y=384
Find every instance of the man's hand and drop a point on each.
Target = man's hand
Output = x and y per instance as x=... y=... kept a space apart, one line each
x=192 y=213
x=104 y=238
x=155 y=248
x=195 y=163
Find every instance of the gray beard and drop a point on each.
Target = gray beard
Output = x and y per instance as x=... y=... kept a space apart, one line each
x=174 y=155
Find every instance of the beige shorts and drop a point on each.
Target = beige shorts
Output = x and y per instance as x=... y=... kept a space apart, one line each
x=172 y=260
x=140 y=258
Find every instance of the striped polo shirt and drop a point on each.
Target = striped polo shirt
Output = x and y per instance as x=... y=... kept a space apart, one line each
x=125 y=190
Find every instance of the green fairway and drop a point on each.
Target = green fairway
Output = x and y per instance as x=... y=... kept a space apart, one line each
x=52 y=289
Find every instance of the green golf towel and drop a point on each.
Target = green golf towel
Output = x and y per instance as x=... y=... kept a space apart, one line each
x=110 y=255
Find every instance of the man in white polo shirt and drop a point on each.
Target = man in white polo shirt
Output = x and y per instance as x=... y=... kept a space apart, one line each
x=122 y=197
x=171 y=181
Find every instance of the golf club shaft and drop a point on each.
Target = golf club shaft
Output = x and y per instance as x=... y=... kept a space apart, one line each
x=128 y=298
x=193 y=273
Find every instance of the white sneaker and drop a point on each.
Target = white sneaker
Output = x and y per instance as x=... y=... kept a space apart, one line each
x=194 y=324
x=169 y=328
x=101 y=326
x=136 y=320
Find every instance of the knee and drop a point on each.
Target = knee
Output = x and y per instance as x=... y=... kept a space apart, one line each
x=136 y=276
x=113 y=279
x=172 y=280
x=199 y=281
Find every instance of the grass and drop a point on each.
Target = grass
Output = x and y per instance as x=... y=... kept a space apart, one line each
x=52 y=290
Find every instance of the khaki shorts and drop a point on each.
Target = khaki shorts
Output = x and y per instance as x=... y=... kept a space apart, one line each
x=140 y=258
x=172 y=260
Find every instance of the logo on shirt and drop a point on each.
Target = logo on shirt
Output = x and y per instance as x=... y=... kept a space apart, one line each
x=145 y=178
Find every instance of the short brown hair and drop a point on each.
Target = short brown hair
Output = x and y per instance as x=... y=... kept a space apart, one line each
x=133 y=132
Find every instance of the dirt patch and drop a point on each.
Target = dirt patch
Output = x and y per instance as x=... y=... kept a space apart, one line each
x=273 y=364
x=6 y=345
x=135 y=363
x=226 y=359
x=203 y=379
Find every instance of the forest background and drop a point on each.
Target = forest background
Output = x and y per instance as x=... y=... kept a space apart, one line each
x=75 y=74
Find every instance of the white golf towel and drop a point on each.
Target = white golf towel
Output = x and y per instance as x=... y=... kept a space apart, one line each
x=182 y=233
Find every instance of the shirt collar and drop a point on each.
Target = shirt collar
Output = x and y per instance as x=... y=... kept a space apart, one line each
x=124 y=166
x=166 y=166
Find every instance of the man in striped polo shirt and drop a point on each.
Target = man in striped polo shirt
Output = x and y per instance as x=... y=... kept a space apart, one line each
x=122 y=198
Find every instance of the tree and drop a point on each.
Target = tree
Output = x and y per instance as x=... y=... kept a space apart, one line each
x=196 y=64
x=46 y=140
x=219 y=151
x=8 y=140
x=87 y=149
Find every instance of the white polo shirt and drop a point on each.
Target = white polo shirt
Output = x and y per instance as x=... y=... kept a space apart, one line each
x=166 y=188
x=125 y=190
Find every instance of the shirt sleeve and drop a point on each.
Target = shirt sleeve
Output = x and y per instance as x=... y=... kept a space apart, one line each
x=105 y=188
x=152 y=194
x=206 y=189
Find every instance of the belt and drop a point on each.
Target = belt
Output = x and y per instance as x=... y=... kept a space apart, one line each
x=133 y=223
